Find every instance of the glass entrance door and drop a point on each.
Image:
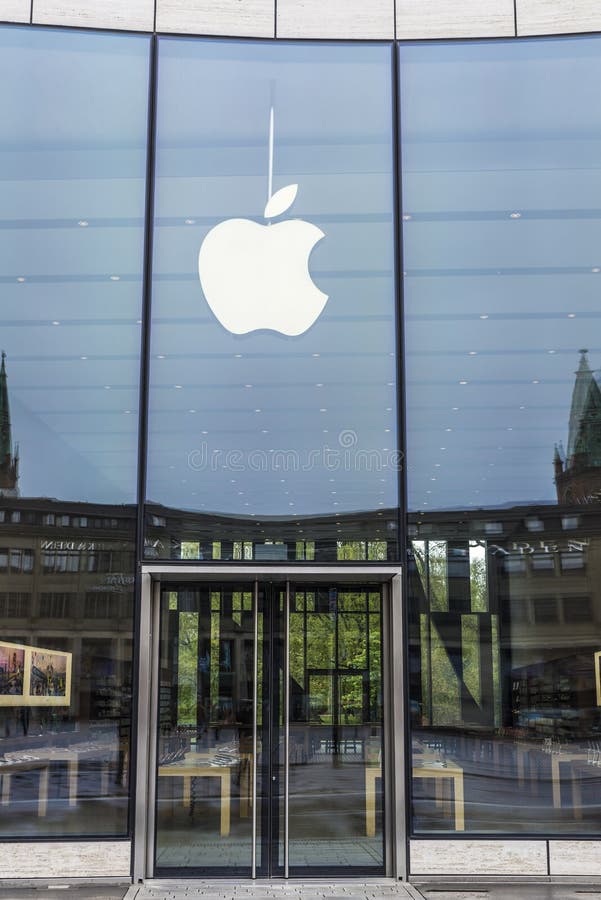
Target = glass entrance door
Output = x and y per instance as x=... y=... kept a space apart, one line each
x=269 y=756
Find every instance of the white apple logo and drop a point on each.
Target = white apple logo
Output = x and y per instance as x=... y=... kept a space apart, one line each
x=257 y=276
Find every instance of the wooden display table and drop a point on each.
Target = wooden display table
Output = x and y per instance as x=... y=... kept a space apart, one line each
x=428 y=770
x=195 y=765
x=42 y=757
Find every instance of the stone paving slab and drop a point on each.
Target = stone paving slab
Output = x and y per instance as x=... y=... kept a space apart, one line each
x=290 y=890
x=509 y=891
x=64 y=891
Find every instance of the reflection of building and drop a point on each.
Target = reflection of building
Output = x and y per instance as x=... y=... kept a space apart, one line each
x=578 y=473
x=9 y=461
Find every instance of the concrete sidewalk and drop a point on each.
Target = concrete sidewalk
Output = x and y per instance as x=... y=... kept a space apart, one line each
x=312 y=890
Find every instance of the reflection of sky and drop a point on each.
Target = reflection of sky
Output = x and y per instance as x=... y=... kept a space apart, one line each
x=501 y=302
x=307 y=409
x=72 y=150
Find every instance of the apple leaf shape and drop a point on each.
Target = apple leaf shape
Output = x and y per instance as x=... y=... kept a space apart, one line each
x=279 y=202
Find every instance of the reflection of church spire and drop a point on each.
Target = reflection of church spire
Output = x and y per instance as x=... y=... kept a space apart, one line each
x=9 y=463
x=578 y=472
x=585 y=415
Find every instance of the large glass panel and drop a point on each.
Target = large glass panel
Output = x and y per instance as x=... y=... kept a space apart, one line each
x=502 y=232
x=272 y=428
x=73 y=154
x=205 y=756
x=335 y=746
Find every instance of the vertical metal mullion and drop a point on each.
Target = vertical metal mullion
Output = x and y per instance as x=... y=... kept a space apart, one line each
x=139 y=634
x=286 y=727
x=255 y=721
x=401 y=752
x=153 y=729
x=142 y=730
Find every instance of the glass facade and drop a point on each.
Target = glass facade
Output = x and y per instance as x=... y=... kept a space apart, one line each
x=501 y=254
x=279 y=415
x=273 y=427
x=73 y=150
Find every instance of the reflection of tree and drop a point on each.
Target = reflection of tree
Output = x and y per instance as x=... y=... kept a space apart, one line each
x=335 y=659
x=187 y=668
x=454 y=621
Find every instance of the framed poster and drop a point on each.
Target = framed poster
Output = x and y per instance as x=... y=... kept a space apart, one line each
x=34 y=676
x=12 y=674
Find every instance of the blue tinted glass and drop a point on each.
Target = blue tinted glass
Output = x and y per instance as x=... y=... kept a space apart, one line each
x=73 y=112
x=502 y=239
x=502 y=254
x=73 y=108
x=266 y=399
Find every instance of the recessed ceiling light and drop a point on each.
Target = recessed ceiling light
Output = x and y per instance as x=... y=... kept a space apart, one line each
x=21 y=279
x=316 y=355
x=319 y=384
x=323 y=409
x=596 y=269
x=191 y=410
x=83 y=223
x=190 y=221
x=257 y=410
x=248 y=385
x=107 y=387
x=463 y=382
x=237 y=356
x=127 y=412
x=515 y=215
x=455 y=408
x=178 y=387
x=161 y=356
x=83 y=357
x=204 y=432
x=535 y=381
x=406 y=217
x=473 y=353
x=551 y=351
x=115 y=278
x=571 y=315
x=56 y=322
x=484 y=316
